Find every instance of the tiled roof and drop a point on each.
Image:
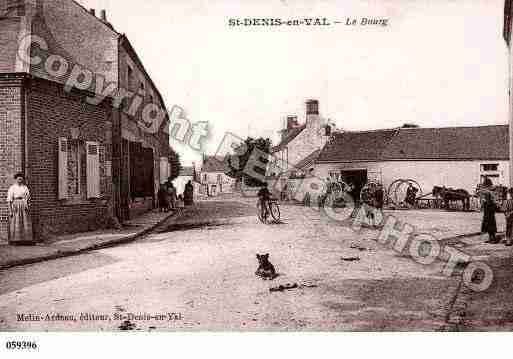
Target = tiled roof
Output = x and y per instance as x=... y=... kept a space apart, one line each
x=356 y=146
x=308 y=160
x=213 y=164
x=449 y=143
x=292 y=133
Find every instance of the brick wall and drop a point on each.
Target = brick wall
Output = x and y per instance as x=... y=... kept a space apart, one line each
x=11 y=149
x=9 y=28
x=52 y=113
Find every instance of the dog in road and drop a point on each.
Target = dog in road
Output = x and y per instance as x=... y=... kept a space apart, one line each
x=265 y=268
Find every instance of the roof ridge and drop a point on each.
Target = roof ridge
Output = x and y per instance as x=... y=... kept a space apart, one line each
x=451 y=127
x=417 y=128
x=385 y=147
x=97 y=18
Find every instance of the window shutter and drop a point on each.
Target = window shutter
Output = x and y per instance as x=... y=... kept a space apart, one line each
x=63 y=168
x=93 y=169
x=164 y=169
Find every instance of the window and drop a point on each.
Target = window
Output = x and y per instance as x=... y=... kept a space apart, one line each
x=493 y=178
x=205 y=177
x=487 y=167
x=219 y=178
x=130 y=77
x=78 y=169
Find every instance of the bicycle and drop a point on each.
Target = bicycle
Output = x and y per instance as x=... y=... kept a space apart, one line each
x=272 y=208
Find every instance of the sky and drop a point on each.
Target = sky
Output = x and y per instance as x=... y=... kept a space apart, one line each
x=437 y=63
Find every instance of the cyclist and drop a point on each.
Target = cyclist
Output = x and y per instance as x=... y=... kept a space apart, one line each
x=263 y=198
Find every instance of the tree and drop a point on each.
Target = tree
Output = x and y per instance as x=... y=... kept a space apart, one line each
x=174 y=164
x=259 y=151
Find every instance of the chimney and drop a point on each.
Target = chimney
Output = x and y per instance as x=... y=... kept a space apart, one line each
x=103 y=17
x=312 y=107
x=291 y=122
x=92 y=12
x=312 y=114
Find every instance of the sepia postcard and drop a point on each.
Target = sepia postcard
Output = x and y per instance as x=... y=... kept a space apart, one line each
x=257 y=166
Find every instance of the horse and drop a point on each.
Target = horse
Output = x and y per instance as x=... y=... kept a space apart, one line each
x=450 y=194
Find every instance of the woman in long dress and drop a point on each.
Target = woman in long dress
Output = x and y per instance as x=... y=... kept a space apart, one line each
x=188 y=194
x=20 y=224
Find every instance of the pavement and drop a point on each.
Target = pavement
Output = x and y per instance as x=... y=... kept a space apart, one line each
x=73 y=244
x=197 y=272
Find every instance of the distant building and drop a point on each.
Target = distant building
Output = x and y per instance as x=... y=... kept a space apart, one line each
x=300 y=144
x=213 y=178
x=186 y=174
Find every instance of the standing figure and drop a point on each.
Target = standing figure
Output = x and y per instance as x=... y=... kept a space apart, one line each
x=285 y=192
x=162 y=199
x=489 y=225
x=507 y=208
x=264 y=195
x=379 y=201
x=188 y=194
x=411 y=194
x=171 y=195
x=366 y=199
x=20 y=224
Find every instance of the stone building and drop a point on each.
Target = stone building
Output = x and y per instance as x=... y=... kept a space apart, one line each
x=87 y=160
x=457 y=157
x=300 y=145
x=213 y=178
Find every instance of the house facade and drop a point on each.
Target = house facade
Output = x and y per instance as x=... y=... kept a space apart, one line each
x=457 y=157
x=145 y=152
x=300 y=143
x=213 y=179
x=58 y=60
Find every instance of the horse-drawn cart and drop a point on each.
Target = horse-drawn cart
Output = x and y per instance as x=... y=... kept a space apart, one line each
x=407 y=193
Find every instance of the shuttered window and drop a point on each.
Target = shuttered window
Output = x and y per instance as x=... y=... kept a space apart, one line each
x=93 y=169
x=164 y=169
x=63 y=169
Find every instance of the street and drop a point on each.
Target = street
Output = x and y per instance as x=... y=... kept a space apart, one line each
x=197 y=272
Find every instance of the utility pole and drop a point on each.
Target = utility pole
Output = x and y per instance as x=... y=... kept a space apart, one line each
x=510 y=118
x=507 y=37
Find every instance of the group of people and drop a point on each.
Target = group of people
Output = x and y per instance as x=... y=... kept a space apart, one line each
x=489 y=223
x=411 y=195
x=168 y=197
x=372 y=200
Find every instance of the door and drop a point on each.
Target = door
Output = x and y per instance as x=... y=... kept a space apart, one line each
x=356 y=178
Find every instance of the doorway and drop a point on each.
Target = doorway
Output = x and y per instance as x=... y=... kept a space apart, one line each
x=356 y=178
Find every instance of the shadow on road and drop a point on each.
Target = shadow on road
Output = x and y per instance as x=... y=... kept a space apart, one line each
x=191 y=226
